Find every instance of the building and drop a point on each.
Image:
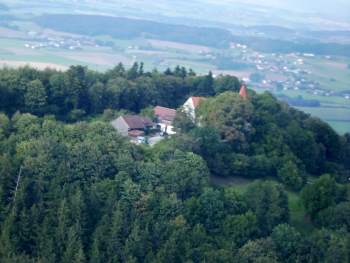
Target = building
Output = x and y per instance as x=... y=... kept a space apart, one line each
x=165 y=118
x=190 y=106
x=243 y=92
x=132 y=125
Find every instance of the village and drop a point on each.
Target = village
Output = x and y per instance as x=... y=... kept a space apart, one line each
x=144 y=130
x=43 y=40
x=281 y=72
x=273 y=71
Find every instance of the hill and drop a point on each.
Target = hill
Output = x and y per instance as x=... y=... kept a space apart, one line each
x=72 y=189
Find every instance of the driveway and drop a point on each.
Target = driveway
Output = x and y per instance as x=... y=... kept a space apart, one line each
x=155 y=139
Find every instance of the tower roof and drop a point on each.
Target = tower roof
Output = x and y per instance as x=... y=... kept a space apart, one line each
x=243 y=92
x=197 y=100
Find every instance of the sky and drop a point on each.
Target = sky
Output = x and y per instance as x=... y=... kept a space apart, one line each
x=330 y=7
x=334 y=14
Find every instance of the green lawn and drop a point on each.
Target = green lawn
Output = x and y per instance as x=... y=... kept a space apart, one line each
x=329 y=114
x=324 y=100
x=338 y=118
x=340 y=126
x=331 y=74
x=334 y=110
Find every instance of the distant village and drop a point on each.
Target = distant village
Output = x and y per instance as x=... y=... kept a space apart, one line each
x=281 y=72
x=67 y=42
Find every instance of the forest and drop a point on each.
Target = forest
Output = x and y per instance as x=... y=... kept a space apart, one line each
x=74 y=190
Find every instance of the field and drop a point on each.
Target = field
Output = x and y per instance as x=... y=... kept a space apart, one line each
x=334 y=110
x=334 y=74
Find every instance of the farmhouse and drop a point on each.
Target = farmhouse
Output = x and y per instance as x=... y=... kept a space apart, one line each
x=132 y=125
x=190 y=106
x=165 y=118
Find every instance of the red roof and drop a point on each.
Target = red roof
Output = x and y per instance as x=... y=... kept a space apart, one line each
x=137 y=122
x=165 y=113
x=136 y=133
x=197 y=100
x=243 y=92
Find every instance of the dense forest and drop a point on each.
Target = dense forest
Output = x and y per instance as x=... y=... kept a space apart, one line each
x=73 y=190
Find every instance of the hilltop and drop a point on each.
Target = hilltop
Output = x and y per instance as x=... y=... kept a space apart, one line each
x=73 y=189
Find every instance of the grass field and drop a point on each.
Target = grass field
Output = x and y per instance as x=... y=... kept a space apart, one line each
x=332 y=74
x=152 y=52
x=334 y=110
x=340 y=126
x=329 y=114
x=338 y=118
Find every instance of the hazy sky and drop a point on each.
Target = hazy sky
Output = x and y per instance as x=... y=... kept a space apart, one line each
x=323 y=6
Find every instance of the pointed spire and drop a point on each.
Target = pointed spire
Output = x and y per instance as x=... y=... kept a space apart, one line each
x=243 y=92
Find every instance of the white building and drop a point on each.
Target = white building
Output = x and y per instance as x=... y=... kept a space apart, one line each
x=190 y=106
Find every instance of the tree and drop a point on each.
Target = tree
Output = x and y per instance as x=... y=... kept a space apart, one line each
x=319 y=195
x=270 y=204
x=207 y=210
x=258 y=251
x=137 y=244
x=230 y=115
x=289 y=174
x=117 y=72
x=330 y=246
x=335 y=217
x=133 y=72
x=287 y=241
x=98 y=98
x=206 y=86
x=77 y=88
x=241 y=228
x=35 y=97
x=226 y=83
x=186 y=175
x=182 y=122
x=58 y=94
x=4 y=126
x=326 y=136
x=74 y=250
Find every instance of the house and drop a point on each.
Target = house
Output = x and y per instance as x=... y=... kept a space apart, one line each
x=165 y=118
x=190 y=106
x=132 y=125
